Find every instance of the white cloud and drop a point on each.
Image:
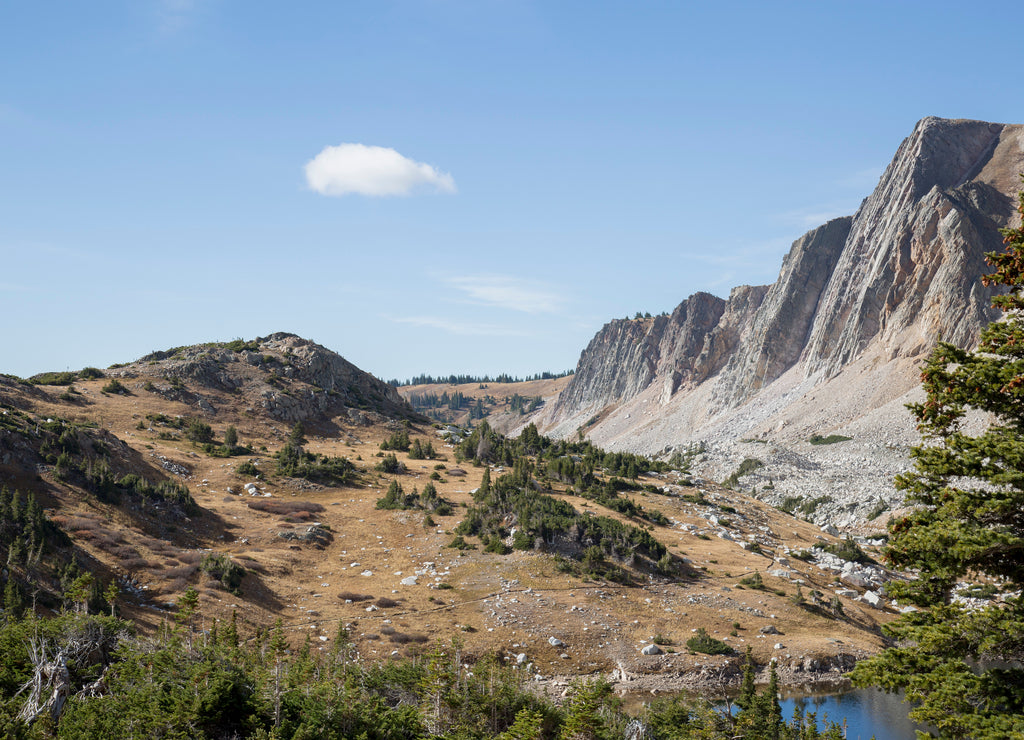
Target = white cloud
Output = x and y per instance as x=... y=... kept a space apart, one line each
x=459 y=327
x=372 y=170
x=503 y=291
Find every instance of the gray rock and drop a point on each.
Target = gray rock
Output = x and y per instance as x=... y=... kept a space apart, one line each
x=857 y=302
x=651 y=649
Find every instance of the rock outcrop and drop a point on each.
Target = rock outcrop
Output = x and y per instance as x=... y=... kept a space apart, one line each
x=858 y=304
x=292 y=379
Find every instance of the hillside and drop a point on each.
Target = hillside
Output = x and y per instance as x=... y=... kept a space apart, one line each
x=506 y=406
x=135 y=466
x=833 y=347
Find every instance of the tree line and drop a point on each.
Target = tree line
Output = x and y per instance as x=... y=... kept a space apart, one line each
x=463 y=379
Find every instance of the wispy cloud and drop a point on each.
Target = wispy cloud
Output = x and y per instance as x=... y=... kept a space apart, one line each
x=504 y=291
x=358 y=169
x=462 y=328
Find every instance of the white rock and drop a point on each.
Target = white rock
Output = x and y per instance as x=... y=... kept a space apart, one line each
x=555 y=642
x=651 y=649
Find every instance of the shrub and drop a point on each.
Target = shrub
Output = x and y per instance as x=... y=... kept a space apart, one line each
x=295 y=462
x=55 y=378
x=496 y=546
x=390 y=464
x=223 y=569
x=848 y=550
x=240 y=345
x=398 y=441
x=749 y=465
x=91 y=373
x=753 y=581
x=199 y=431
x=817 y=439
x=807 y=508
x=395 y=498
x=247 y=468
x=702 y=642
x=117 y=387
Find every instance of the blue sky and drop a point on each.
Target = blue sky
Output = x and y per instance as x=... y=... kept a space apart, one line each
x=442 y=187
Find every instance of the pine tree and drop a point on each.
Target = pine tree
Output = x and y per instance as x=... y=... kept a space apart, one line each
x=230 y=636
x=964 y=665
x=528 y=725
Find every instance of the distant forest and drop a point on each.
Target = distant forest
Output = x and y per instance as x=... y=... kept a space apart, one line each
x=461 y=379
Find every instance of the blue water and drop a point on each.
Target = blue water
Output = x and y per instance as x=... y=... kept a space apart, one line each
x=867 y=712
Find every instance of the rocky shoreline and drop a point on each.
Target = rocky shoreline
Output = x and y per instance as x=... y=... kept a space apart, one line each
x=811 y=675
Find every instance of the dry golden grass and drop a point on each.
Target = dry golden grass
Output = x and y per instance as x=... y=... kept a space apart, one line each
x=509 y=604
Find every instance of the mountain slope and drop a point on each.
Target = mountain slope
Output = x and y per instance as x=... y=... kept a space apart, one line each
x=134 y=468
x=835 y=341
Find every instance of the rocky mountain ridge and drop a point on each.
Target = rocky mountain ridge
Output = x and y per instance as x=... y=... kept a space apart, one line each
x=289 y=378
x=835 y=341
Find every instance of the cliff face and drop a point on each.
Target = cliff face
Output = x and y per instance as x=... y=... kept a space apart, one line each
x=881 y=285
x=909 y=271
x=680 y=351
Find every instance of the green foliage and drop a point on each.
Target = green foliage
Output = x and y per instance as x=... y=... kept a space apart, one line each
x=390 y=464
x=494 y=544
x=554 y=525
x=240 y=345
x=962 y=667
x=184 y=685
x=199 y=431
x=702 y=642
x=222 y=568
x=90 y=373
x=847 y=550
x=116 y=387
x=395 y=498
x=398 y=441
x=747 y=466
x=753 y=581
x=817 y=439
x=247 y=468
x=422 y=451
x=54 y=378
x=294 y=462
x=80 y=457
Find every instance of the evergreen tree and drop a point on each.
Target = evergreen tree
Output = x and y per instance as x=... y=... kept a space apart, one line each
x=963 y=666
